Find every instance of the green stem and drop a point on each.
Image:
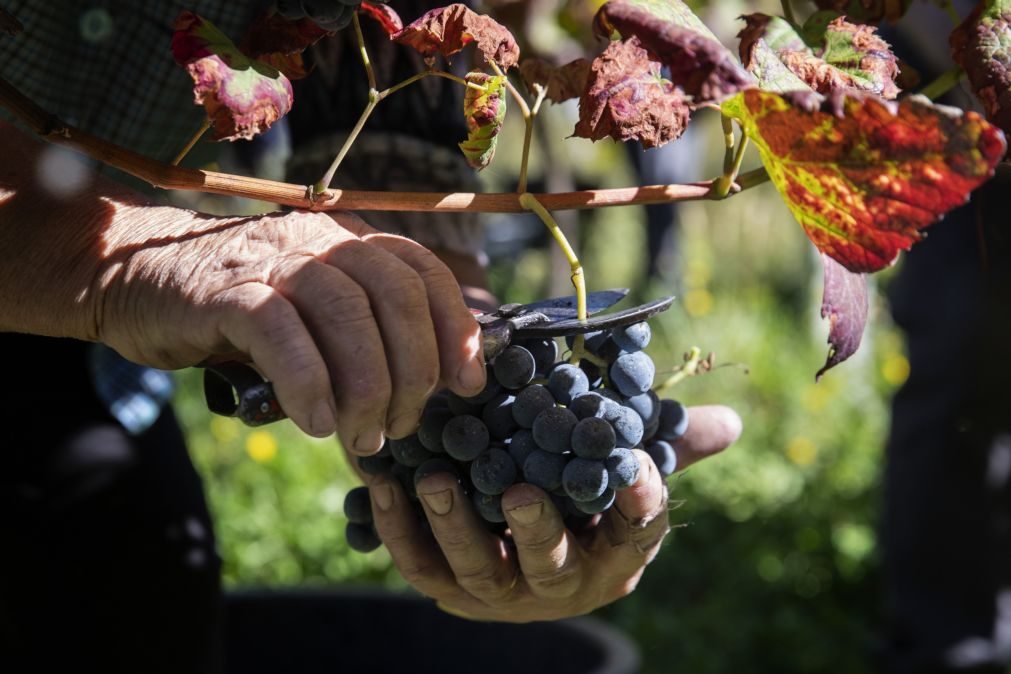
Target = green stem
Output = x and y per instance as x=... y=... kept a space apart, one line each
x=324 y=183
x=788 y=12
x=529 y=202
x=694 y=365
x=192 y=141
x=943 y=84
x=457 y=79
x=753 y=178
x=725 y=182
x=728 y=143
x=528 y=134
x=364 y=53
x=400 y=85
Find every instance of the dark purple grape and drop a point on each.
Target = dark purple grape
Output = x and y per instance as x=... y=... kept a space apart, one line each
x=375 y=464
x=465 y=437
x=530 y=402
x=409 y=451
x=673 y=420
x=544 y=469
x=493 y=471
x=544 y=351
x=358 y=506
x=514 y=367
x=664 y=456
x=632 y=373
x=489 y=507
x=622 y=468
x=593 y=438
x=632 y=337
x=553 y=429
x=361 y=537
x=584 y=480
x=592 y=404
x=498 y=416
x=521 y=444
x=566 y=382
x=433 y=422
x=627 y=426
x=435 y=465
x=647 y=405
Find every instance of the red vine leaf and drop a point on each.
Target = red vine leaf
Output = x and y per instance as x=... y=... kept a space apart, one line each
x=982 y=46
x=485 y=111
x=562 y=82
x=9 y=23
x=279 y=42
x=627 y=99
x=868 y=11
x=844 y=304
x=863 y=175
x=242 y=96
x=385 y=15
x=447 y=30
x=700 y=65
x=850 y=56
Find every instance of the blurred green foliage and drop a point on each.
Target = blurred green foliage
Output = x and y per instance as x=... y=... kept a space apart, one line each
x=773 y=564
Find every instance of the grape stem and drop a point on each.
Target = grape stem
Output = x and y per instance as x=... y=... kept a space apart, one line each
x=944 y=83
x=731 y=162
x=528 y=134
x=530 y=202
x=694 y=365
x=192 y=141
x=363 y=52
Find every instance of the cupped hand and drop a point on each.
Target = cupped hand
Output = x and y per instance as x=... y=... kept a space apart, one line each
x=546 y=571
x=354 y=328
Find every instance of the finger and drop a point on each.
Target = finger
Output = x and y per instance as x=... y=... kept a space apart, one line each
x=412 y=549
x=340 y=319
x=261 y=323
x=547 y=551
x=479 y=559
x=461 y=357
x=711 y=429
x=637 y=523
x=401 y=308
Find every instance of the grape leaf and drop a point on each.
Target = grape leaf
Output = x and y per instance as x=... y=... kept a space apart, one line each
x=447 y=30
x=671 y=11
x=627 y=99
x=863 y=175
x=761 y=39
x=844 y=304
x=385 y=15
x=982 y=46
x=562 y=82
x=849 y=56
x=242 y=96
x=485 y=111
x=9 y=23
x=700 y=65
x=868 y=11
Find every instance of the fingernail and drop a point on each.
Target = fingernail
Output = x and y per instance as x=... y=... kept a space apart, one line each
x=405 y=424
x=471 y=376
x=529 y=513
x=382 y=495
x=441 y=502
x=323 y=420
x=367 y=443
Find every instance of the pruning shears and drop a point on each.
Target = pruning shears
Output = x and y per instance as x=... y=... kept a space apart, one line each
x=235 y=389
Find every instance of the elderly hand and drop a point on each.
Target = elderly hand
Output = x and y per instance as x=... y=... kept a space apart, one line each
x=548 y=572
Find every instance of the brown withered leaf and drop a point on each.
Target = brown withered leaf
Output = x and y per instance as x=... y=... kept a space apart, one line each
x=279 y=42
x=627 y=99
x=760 y=39
x=982 y=46
x=562 y=82
x=9 y=23
x=701 y=66
x=447 y=30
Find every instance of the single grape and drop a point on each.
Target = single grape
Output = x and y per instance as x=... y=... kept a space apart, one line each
x=493 y=471
x=584 y=480
x=521 y=444
x=433 y=421
x=632 y=337
x=465 y=437
x=361 y=537
x=592 y=404
x=514 y=367
x=544 y=351
x=435 y=465
x=649 y=432
x=553 y=429
x=664 y=456
x=385 y=451
x=610 y=394
x=673 y=420
x=593 y=438
x=409 y=451
x=647 y=405
x=405 y=476
x=530 y=402
x=498 y=416
x=358 y=506
x=489 y=507
x=544 y=469
x=627 y=426
x=597 y=505
x=566 y=382
x=632 y=373
x=622 y=468
x=375 y=464
x=594 y=374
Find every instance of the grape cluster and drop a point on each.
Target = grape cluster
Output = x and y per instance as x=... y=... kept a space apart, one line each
x=332 y=15
x=566 y=428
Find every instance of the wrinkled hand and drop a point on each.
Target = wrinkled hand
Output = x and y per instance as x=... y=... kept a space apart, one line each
x=354 y=328
x=551 y=572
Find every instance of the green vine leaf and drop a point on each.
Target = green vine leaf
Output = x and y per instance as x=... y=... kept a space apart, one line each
x=447 y=30
x=847 y=56
x=242 y=96
x=485 y=111
x=562 y=82
x=863 y=175
x=627 y=99
x=982 y=46
x=844 y=303
x=701 y=66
